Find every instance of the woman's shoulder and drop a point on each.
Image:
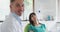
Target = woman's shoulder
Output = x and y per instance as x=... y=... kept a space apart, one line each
x=43 y=25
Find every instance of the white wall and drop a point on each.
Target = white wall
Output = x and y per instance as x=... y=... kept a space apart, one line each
x=47 y=7
x=4 y=9
x=58 y=10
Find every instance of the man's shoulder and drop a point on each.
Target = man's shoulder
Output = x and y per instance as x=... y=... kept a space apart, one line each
x=8 y=21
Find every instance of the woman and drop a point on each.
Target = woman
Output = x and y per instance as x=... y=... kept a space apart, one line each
x=35 y=26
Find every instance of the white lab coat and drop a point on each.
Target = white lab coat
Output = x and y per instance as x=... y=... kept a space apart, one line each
x=11 y=25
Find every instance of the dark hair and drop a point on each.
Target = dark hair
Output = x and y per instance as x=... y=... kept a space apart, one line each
x=12 y=1
x=31 y=22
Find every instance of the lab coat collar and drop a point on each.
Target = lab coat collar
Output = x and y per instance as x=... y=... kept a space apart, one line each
x=16 y=16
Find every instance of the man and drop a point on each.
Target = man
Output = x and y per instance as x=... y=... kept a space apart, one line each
x=13 y=22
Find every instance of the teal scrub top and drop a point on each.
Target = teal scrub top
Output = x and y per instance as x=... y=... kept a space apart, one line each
x=40 y=28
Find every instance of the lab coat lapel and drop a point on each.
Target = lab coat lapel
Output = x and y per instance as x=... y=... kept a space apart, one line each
x=17 y=25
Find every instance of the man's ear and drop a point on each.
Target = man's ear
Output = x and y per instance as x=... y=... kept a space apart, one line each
x=10 y=6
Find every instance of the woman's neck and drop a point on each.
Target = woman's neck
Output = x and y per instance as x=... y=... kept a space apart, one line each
x=36 y=23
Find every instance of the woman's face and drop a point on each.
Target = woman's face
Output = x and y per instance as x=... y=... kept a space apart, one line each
x=33 y=17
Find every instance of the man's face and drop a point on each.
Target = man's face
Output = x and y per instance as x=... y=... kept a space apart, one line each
x=17 y=7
